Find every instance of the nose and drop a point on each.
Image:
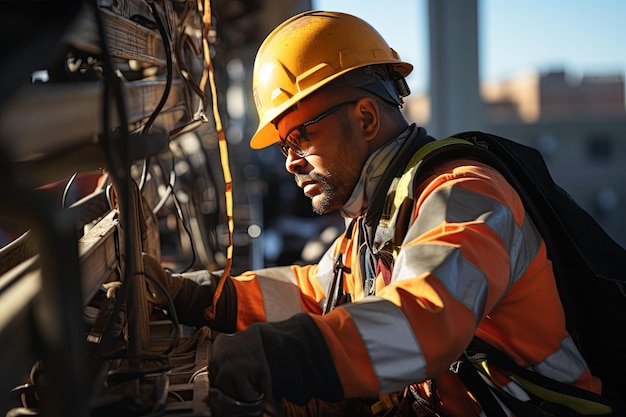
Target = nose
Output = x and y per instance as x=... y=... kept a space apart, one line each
x=293 y=162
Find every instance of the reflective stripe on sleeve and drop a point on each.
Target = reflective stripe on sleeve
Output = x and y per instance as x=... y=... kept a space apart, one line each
x=325 y=269
x=281 y=296
x=524 y=248
x=565 y=365
x=460 y=205
x=375 y=317
x=447 y=264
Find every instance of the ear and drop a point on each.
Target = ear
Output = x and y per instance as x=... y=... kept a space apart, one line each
x=368 y=117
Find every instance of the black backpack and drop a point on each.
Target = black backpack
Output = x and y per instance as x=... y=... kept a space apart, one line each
x=590 y=267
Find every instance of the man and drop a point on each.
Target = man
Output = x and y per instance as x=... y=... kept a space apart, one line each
x=365 y=322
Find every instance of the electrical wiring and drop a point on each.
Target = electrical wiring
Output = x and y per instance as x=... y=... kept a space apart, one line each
x=166 y=194
x=176 y=395
x=183 y=40
x=207 y=175
x=144 y=173
x=171 y=182
x=112 y=85
x=117 y=153
x=181 y=217
x=66 y=190
x=204 y=370
x=109 y=196
x=171 y=311
x=111 y=287
x=168 y=84
x=118 y=164
x=169 y=68
x=108 y=68
x=22 y=411
x=169 y=193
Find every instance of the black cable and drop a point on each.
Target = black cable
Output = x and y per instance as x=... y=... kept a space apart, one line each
x=179 y=210
x=111 y=85
x=168 y=84
x=212 y=182
x=169 y=66
x=166 y=194
x=185 y=39
x=119 y=167
x=181 y=217
x=170 y=187
x=171 y=311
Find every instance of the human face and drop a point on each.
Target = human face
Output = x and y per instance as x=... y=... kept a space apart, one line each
x=298 y=140
x=328 y=163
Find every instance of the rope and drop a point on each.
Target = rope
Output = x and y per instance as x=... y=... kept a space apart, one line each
x=208 y=74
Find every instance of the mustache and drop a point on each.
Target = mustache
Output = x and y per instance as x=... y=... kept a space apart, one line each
x=301 y=178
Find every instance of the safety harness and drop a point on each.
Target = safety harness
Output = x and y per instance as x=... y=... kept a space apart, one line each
x=547 y=397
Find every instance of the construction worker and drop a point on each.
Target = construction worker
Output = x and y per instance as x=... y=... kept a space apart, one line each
x=369 y=321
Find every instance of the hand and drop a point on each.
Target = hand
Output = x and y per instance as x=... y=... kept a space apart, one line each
x=192 y=293
x=158 y=279
x=280 y=360
x=222 y=405
x=238 y=366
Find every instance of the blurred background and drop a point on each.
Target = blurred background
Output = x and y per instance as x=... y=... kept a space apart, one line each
x=115 y=141
x=549 y=74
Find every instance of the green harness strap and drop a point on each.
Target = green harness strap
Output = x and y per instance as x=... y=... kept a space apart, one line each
x=549 y=396
x=400 y=194
x=401 y=186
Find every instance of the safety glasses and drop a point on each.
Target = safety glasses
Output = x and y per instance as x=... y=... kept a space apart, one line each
x=298 y=140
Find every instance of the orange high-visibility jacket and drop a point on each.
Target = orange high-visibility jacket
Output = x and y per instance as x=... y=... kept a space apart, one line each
x=472 y=262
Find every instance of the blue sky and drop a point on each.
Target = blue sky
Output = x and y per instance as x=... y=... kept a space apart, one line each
x=579 y=36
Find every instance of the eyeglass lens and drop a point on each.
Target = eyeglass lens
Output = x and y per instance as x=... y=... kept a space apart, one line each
x=298 y=139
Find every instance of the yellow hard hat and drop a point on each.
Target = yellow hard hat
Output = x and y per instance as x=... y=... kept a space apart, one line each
x=306 y=52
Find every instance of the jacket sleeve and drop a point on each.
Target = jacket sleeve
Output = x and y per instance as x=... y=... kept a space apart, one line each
x=470 y=257
x=277 y=293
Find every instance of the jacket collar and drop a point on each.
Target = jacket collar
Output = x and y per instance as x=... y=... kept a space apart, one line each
x=377 y=168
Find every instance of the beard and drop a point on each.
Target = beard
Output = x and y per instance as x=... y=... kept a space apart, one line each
x=328 y=201
x=336 y=188
x=339 y=180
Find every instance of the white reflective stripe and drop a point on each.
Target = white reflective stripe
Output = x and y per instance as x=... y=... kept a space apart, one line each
x=281 y=295
x=462 y=279
x=325 y=268
x=398 y=363
x=458 y=205
x=524 y=248
x=516 y=390
x=565 y=365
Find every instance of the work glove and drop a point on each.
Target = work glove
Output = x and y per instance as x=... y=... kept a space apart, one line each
x=287 y=359
x=192 y=294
